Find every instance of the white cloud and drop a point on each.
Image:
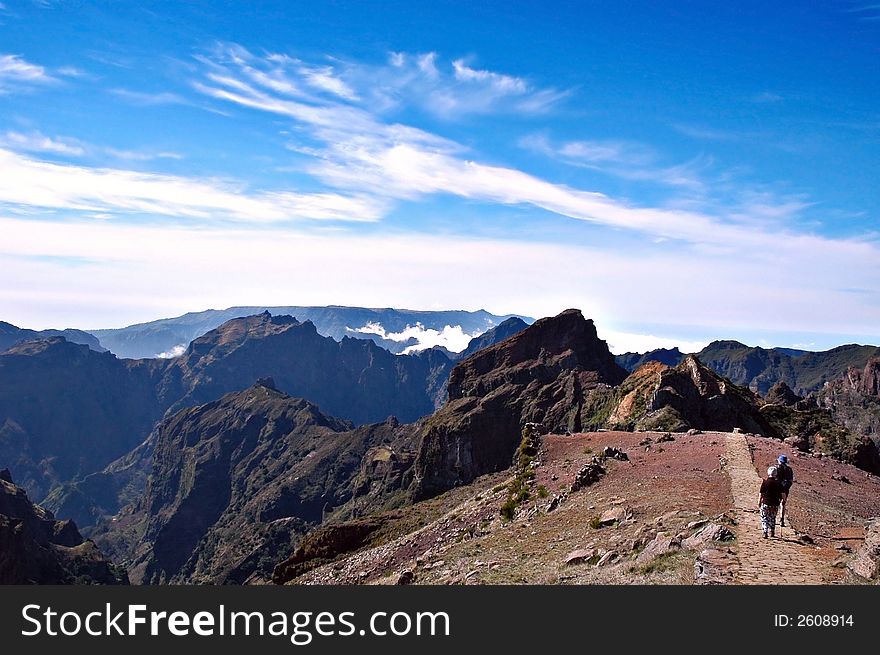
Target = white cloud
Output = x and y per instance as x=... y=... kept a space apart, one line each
x=448 y=90
x=363 y=154
x=451 y=337
x=323 y=78
x=39 y=142
x=503 y=84
x=117 y=274
x=34 y=183
x=71 y=71
x=176 y=351
x=17 y=72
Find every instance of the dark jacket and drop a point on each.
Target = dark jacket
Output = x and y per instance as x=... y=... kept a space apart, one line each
x=771 y=492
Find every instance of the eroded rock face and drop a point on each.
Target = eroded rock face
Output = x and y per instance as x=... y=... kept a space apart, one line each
x=545 y=374
x=869 y=382
x=854 y=402
x=37 y=549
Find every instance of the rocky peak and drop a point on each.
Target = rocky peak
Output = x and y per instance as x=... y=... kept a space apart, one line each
x=237 y=330
x=548 y=373
x=689 y=395
x=550 y=345
x=781 y=394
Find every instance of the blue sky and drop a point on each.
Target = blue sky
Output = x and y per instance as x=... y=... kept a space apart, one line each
x=680 y=171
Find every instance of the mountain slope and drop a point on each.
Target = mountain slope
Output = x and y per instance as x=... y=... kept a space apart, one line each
x=235 y=482
x=666 y=515
x=37 y=549
x=66 y=410
x=497 y=334
x=759 y=368
x=854 y=399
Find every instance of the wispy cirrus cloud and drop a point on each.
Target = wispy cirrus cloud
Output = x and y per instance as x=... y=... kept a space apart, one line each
x=352 y=147
x=707 y=133
x=29 y=182
x=623 y=159
x=36 y=141
x=140 y=155
x=453 y=89
x=17 y=73
x=148 y=99
x=866 y=12
x=766 y=97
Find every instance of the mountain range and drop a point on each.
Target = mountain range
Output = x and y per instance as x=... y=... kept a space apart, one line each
x=760 y=368
x=396 y=330
x=67 y=412
x=265 y=448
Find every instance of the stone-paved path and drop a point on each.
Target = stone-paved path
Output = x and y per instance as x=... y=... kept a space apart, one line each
x=779 y=560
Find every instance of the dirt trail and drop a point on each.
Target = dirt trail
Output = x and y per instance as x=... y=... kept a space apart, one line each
x=779 y=560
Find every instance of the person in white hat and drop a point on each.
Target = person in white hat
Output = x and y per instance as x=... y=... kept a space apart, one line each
x=768 y=502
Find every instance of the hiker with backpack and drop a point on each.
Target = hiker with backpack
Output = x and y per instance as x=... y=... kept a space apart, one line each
x=768 y=502
x=786 y=478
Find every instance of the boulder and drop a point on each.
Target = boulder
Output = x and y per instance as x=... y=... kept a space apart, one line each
x=606 y=558
x=714 y=566
x=615 y=515
x=866 y=455
x=555 y=502
x=579 y=556
x=406 y=577
x=662 y=544
x=866 y=563
x=704 y=537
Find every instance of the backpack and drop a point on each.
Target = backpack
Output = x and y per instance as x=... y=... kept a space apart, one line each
x=785 y=476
